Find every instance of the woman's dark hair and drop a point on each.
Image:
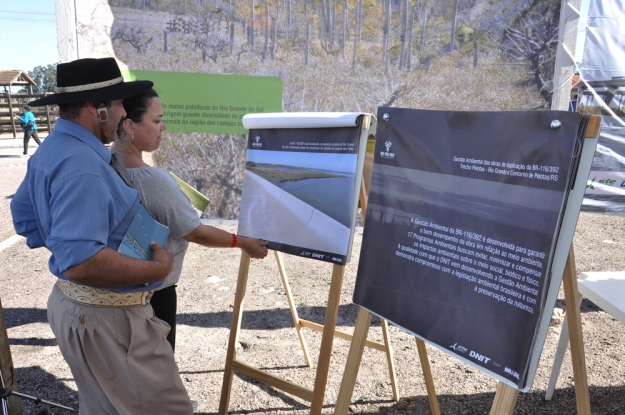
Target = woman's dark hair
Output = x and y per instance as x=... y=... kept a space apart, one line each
x=136 y=107
x=27 y=107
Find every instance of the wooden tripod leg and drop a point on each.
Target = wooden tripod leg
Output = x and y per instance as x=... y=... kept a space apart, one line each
x=576 y=336
x=7 y=372
x=389 y=358
x=563 y=341
x=388 y=348
x=353 y=362
x=427 y=376
x=327 y=339
x=235 y=327
x=289 y=298
x=505 y=400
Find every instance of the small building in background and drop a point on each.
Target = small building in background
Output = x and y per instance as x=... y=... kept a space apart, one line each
x=15 y=77
x=13 y=103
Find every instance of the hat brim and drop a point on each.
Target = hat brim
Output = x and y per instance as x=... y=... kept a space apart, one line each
x=118 y=91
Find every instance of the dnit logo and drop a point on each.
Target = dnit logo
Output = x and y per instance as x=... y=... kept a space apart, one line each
x=387 y=154
x=257 y=143
x=458 y=348
x=479 y=357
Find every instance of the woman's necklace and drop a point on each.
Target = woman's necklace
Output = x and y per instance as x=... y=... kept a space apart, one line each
x=139 y=160
x=118 y=150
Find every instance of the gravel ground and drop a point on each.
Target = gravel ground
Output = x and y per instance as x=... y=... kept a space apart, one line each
x=268 y=340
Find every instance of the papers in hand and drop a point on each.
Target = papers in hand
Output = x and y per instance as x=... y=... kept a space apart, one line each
x=198 y=200
x=142 y=230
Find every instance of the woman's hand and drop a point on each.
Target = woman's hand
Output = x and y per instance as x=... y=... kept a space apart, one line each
x=255 y=248
x=212 y=237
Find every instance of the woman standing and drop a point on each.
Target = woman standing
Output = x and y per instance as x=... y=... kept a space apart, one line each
x=141 y=131
x=30 y=128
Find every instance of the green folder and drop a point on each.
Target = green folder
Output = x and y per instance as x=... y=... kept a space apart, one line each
x=198 y=200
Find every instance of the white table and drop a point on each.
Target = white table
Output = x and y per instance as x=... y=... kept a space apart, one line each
x=607 y=291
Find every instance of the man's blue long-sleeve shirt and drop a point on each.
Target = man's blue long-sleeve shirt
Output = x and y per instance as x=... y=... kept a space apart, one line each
x=72 y=201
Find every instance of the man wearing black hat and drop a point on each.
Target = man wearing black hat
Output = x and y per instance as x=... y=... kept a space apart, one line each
x=75 y=201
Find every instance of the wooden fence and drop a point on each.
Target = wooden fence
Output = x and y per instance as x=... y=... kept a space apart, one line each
x=13 y=104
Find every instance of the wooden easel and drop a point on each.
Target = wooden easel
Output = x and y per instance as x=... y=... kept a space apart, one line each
x=316 y=395
x=506 y=396
x=7 y=372
x=300 y=323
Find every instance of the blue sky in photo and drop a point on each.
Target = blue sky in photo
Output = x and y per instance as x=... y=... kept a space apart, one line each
x=27 y=34
x=322 y=161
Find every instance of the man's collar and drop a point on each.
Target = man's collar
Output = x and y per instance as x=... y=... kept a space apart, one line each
x=80 y=133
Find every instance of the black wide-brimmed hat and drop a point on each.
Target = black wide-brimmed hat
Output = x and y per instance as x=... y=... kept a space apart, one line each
x=86 y=80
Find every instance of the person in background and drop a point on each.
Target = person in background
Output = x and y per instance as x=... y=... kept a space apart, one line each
x=142 y=130
x=75 y=202
x=30 y=128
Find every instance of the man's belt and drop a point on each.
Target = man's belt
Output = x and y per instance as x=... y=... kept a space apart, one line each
x=100 y=297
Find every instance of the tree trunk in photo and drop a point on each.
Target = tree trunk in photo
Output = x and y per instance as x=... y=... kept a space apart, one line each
x=402 y=38
x=357 y=32
x=475 y=52
x=333 y=25
x=323 y=21
x=423 y=18
x=231 y=37
x=252 y=25
x=359 y=27
x=164 y=40
x=307 y=41
x=347 y=31
x=288 y=23
x=266 y=32
x=386 y=29
x=343 y=27
x=454 y=18
x=329 y=21
x=410 y=34
x=273 y=38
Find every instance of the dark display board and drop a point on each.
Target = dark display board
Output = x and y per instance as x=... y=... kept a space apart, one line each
x=300 y=190
x=462 y=222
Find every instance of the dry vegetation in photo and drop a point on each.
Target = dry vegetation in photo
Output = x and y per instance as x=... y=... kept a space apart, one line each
x=333 y=55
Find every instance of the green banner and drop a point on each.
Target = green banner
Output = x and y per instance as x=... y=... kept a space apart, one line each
x=208 y=103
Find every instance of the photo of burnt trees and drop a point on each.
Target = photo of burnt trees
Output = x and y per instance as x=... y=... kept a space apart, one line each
x=337 y=55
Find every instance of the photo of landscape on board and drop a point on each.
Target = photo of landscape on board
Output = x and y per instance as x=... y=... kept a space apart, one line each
x=300 y=192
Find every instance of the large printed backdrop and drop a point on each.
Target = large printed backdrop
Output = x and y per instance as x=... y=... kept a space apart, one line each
x=331 y=55
x=602 y=91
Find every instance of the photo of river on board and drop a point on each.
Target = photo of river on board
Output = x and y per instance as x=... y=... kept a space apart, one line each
x=306 y=201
